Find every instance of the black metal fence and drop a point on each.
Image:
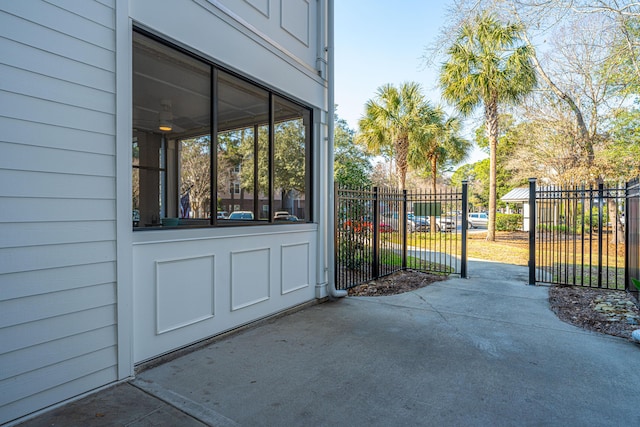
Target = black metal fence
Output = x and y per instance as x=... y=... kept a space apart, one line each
x=577 y=235
x=632 y=229
x=380 y=231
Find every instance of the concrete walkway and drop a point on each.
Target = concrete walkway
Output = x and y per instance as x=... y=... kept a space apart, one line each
x=483 y=351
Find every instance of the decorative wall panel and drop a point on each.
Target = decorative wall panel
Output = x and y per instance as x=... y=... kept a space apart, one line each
x=295 y=267
x=294 y=19
x=184 y=292
x=250 y=277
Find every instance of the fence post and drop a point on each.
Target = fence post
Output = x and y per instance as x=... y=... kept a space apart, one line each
x=465 y=227
x=532 y=231
x=336 y=242
x=375 y=227
x=627 y=246
x=403 y=227
x=600 y=225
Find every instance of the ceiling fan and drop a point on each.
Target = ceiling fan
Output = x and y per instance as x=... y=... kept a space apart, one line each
x=154 y=120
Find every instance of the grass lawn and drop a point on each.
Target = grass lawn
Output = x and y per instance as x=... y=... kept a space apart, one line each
x=509 y=247
x=557 y=259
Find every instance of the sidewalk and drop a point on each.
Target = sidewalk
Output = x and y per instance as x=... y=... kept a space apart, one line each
x=483 y=351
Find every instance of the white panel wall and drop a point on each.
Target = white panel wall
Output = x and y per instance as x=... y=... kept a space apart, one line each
x=57 y=202
x=194 y=284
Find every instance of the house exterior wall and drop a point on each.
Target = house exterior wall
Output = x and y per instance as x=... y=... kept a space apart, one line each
x=245 y=43
x=192 y=284
x=83 y=298
x=57 y=202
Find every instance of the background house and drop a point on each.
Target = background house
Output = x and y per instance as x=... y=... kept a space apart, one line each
x=519 y=197
x=119 y=120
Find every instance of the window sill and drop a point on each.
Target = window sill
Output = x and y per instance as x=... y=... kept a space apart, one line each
x=158 y=234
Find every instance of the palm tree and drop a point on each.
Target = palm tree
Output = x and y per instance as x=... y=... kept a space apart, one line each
x=439 y=145
x=392 y=122
x=488 y=64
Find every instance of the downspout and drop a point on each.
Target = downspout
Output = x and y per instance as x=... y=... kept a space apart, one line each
x=331 y=285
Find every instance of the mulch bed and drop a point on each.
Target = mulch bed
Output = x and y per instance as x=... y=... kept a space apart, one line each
x=577 y=305
x=396 y=283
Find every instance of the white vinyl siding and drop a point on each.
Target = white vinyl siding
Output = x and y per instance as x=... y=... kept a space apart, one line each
x=249 y=43
x=58 y=330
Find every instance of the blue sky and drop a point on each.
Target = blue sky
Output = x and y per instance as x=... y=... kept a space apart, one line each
x=379 y=42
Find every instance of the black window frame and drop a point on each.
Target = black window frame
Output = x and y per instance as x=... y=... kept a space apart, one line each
x=213 y=148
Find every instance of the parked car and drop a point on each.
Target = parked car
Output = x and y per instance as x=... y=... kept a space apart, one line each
x=418 y=223
x=445 y=223
x=287 y=217
x=476 y=219
x=241 y=216
x=280 y=215
x=385 y=227
x=222 y=215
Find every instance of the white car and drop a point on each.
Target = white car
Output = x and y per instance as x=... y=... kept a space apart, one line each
x=281 y=215
x=445 y=223
x=476 y=219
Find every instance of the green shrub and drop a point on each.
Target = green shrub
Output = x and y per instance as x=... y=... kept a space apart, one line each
x=508 y=222
x=591 y=221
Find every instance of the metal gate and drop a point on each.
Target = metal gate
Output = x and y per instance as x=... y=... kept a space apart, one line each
x=379 y=231
x=577 y=235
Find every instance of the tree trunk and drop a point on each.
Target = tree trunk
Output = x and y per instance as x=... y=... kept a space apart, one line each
x=491 y=115
x=617 y=228
x=402 y=150
x=434 y=173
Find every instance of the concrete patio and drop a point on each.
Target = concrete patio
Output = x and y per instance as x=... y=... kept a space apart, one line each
x=483 y=351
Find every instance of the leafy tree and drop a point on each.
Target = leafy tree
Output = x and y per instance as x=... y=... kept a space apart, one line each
x=392 y=122
x=488 y=64
x=352 y=166
x=381 y=176
x=591 y=61
x=623 y=22
x=463 y=173
x=623 y=57
x=621 y=152
x=508 y=148
x=547 y=148
x=232 y=147
x=477 y=177
x=289 y=159
x=195 y=173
